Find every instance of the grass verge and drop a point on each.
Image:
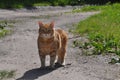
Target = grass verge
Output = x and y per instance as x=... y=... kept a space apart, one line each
x=102 y=29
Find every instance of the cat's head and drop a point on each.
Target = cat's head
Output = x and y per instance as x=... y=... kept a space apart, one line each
x=46 y=30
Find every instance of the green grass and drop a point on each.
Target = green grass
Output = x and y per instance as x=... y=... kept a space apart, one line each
x=102 y=29
x=31 y=3
x=4 y=25
x=42 y=4
x=91 y=8
x=21 y=4
x=6 y=74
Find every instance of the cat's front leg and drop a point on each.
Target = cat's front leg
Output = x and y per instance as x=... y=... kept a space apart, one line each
x=52 y=60
x=42 y=59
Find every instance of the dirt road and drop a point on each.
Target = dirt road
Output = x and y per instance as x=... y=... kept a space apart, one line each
x=18 y=51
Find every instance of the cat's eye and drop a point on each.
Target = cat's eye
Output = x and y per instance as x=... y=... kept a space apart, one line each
x=46 y=30
x=43 y=30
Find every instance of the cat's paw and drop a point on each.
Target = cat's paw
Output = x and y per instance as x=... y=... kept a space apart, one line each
x=51 y=68
x=42 y=68
x=57 y=65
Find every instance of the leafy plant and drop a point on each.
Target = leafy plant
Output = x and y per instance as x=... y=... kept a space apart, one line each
x=103 y=44
x=4 y=32
x=3 y=27
x=114 y=61
x=6 y=74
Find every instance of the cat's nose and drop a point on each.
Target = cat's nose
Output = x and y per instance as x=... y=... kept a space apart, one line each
x=46 y=34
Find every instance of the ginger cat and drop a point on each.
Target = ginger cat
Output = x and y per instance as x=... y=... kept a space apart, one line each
x=51 y=42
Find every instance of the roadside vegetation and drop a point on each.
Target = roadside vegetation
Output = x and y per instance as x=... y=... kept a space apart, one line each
x=102 y=30
x=6 y=74
x=5 y=27
x=32 y=3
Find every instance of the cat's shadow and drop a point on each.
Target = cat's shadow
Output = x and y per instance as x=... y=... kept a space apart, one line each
x=35 y=73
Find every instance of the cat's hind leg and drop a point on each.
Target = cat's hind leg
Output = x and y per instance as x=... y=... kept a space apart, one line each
x=62 y=51
x=61 y=57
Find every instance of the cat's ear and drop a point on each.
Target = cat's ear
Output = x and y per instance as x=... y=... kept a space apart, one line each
x=52 y=24
x=40 y=23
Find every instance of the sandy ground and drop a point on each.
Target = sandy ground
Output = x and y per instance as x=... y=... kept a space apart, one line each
x=18 y=51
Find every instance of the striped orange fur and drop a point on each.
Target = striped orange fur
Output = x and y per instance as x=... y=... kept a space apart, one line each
x=52 y=42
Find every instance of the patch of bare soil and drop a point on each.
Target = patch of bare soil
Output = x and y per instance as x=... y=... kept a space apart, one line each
x=18 y=51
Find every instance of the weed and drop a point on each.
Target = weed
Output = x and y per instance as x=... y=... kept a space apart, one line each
x=3 y=27
x=114 y=61
x=77 y=43
x=6 y=74
x=4 y=32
